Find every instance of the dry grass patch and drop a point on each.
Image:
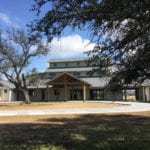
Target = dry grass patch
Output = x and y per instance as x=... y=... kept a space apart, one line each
x=46 y=118
x=59 y=105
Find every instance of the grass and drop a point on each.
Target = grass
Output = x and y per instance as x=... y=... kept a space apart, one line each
x=126 y=131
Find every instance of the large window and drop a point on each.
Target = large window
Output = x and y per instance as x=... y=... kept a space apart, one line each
x=31 y=93
x=97 y=94
x=76 y=94
x=56 y=92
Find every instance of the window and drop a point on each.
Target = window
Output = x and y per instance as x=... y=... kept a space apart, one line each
x=52 y=74
x=56 y=92
x=55 y=65
x=101 y=73
x=78 y=63
x=97 y=94
x=76 y=73
x=76 y=94
x=66 y=64
x=89 y=73
x=129 y=94
x=31 y=93
x=5 y=91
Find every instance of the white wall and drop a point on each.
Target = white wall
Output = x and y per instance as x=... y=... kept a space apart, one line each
x=6 y=94
x=147 y=94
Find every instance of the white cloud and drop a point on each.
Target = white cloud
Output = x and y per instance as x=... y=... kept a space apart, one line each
x=6 y=19
x=70 y=46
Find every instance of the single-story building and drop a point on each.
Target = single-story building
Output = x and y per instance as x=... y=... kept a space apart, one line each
x=7 y=93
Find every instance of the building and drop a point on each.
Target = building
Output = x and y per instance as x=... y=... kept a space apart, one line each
x=74 y=79
x=7 y=93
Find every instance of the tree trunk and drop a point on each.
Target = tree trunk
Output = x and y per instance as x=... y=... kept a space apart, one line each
x=25 y=91
x=26 y=96
x=17 y=95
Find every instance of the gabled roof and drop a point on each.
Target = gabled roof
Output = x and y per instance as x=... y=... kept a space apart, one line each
x=70 y=78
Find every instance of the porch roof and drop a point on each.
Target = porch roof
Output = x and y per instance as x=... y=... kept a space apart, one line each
x=70 y=79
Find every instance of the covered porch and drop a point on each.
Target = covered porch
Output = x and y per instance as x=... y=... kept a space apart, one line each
x=67 y=87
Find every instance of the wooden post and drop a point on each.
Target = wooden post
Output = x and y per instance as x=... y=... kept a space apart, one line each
x=143 y=94
x=71 y=94
x=65 y=88
x=47 y=92
x=84 y=92
x=125 y=94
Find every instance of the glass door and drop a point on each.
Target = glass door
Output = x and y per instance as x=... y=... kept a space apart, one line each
x=76 y=94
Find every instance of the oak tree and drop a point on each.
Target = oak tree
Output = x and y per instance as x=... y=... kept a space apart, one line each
x=121 y=30
x=16 y=53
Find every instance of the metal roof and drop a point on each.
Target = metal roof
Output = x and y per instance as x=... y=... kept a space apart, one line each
x=145 y=83
x=7 y=84
x=97 y=82
x=68 y=60
x=70 y=69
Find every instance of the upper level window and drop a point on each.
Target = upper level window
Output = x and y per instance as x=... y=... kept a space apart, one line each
x=78 y=63
x=66 y=64
x=55 y=65
x=76 y=73
x=52 y=74
x=89 y=73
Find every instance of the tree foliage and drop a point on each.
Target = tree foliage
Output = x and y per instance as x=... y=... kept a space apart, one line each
x=16 y=53
x=121 y=29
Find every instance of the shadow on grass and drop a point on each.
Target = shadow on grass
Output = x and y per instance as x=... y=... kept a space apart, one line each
x=85 y=132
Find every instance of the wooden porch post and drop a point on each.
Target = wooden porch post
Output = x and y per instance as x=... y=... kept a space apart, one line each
x=143 y=94
x=84 y=92
x=47 y=92
x=125 y=94
x=65 y=88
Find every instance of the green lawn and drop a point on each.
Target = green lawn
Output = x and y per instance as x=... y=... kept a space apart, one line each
x=78 y=132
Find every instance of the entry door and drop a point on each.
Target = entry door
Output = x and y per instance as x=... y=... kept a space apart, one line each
x=76 y=94
x=43 y=95
x=97 y=94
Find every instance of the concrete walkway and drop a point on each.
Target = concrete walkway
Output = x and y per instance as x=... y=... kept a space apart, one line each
x=129 y=107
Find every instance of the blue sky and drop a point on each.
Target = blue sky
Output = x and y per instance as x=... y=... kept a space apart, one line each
x=71 y=45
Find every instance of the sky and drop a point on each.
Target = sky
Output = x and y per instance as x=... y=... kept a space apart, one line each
x=72 y=44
